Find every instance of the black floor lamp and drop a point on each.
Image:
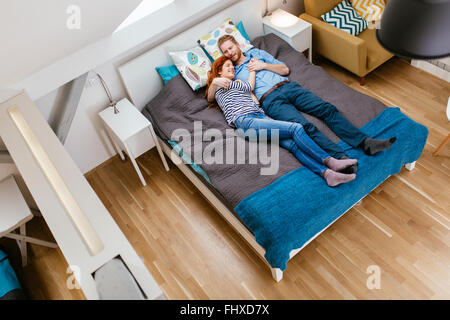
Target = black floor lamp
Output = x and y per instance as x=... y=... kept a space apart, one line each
x=417 y=29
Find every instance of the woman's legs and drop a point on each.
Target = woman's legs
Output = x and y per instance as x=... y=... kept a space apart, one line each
x=294 y=138
x=303 y=157
x=285 y=130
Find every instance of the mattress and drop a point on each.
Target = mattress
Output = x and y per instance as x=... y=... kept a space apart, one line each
x=178 y=107
x=286 y=209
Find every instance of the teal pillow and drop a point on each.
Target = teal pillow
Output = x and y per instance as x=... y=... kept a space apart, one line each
x=167 y=72
x=241 y=29
x=344 y=17
x=207 y=54
x=188 y=160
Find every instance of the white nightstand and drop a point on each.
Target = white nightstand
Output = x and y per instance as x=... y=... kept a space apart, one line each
x=121 y=127
x=295 y=31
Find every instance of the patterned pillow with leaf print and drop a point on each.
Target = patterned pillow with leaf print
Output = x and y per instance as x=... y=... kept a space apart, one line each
x=193 y=65
x=209 y=41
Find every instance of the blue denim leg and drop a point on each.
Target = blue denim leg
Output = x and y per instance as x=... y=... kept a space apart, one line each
x=309 y=103
x=278 y=107
x=285 y=102
x=304 y=149
x=303 y=157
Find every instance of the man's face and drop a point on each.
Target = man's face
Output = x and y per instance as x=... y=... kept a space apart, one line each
x=231 y=50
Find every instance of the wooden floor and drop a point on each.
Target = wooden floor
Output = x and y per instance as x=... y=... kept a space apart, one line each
x=403 y=227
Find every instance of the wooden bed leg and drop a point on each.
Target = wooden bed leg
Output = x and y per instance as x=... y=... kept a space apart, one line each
x=277 y=274
x=362 y=81
x=410 y=166
x=442 y=144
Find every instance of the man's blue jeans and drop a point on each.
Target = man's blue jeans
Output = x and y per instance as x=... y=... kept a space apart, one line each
x=285 y=104
x=292 y=137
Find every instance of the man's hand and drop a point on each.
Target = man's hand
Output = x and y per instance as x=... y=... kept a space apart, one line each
x=256 y=65
x=221 y=83
x=216 y=84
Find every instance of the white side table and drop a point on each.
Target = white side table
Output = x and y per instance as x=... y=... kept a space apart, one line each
x=14 y=213
x=295 y=31
x=126 y=124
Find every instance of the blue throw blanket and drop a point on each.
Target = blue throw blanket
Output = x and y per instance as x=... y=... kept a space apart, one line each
x=289 y=212
x=8 y=279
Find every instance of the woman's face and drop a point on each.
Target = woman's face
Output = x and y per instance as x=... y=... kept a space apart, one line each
x=227 y=70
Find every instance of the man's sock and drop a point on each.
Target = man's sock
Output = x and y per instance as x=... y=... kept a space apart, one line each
x=351 y=169
x=372 y=146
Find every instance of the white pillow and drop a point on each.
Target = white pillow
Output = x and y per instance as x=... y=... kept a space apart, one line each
x=193 y=65
x=209 y=41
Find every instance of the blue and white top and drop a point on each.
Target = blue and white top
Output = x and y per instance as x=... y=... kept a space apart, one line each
x=236 y=101
x=265 y=79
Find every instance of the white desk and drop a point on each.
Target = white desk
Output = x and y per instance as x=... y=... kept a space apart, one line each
x=81 y=261
x=121 y=127
x=14 y=213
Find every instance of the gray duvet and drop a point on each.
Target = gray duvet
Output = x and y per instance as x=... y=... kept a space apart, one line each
x=177 y=107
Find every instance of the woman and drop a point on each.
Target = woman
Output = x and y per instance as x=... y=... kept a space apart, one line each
x=241 y=110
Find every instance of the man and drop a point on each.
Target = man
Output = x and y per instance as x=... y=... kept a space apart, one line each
x=283 y=100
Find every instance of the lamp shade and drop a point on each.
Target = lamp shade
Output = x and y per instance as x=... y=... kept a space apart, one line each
x=418 y=29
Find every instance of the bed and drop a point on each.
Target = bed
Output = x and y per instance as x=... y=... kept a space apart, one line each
x=280 y=213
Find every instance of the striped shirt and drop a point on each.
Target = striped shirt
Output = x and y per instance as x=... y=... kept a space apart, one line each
x=236 y=101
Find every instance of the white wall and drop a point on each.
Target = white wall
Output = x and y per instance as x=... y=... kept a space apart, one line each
x=442 y=71
x=35 y=34
x=2 y=145
x=296 y=7
x=86 y=141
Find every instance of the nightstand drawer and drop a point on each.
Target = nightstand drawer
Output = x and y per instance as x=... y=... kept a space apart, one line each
x=299 y=42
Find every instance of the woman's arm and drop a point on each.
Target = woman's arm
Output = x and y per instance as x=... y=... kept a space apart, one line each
x=216 y=84
x=251 y=79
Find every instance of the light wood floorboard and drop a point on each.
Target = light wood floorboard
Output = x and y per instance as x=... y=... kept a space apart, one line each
x=403 y=226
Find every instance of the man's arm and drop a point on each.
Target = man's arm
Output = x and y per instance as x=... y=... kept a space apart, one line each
x=256 y=65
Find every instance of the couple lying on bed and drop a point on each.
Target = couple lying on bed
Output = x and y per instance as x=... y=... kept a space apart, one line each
x=231 y=82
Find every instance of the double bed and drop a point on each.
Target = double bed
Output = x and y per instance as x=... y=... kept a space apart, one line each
x=280 y=213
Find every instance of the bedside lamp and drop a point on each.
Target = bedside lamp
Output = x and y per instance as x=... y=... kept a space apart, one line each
x=283 y=19
x=112 y=103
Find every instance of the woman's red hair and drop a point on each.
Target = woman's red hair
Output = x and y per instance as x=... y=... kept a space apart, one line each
x=214 y=73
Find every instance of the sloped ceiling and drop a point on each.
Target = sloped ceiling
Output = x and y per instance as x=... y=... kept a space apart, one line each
x=34 y=33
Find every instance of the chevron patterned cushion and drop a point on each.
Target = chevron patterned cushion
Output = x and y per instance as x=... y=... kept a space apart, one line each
x=344 y=17
x=370 y=10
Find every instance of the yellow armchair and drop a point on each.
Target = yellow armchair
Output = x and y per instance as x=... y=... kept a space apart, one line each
x=358 y=54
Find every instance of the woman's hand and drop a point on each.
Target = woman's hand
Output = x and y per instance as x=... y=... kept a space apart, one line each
x=221 y=83
x=256 y=65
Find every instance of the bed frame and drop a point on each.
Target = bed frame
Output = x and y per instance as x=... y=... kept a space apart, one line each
x=231 y=218
x=136 y=74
